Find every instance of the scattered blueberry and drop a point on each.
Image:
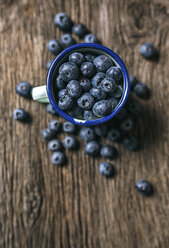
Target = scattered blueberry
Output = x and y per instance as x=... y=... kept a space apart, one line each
x=55 y=126
x=92 y=148
x=63 y=21
x=77 y=58
x=60 y=83
x=74 y=89
x=148 y=50
x=67 y=40
x=102 y=108
x=87 y=69
x=80 y=30
x=144 y=188
x=98 y=94
x=20 y=114
x=54 y=46
x=65 y=102
x=131 y=143
x=90 y=57
x=54 y=145
x=86 y=101
x=126 y=124
x=87 y=133
x=85 y=83
x=49 y=63
x=134 y=107
x=50 y=109
x=113 y=134
x=108 y=85
x=96 y=80
x=133 y=81
x=70 y=142
x=58 y=158
x=115 y=73
x=90 y=38
x=69 y=71
x=102 y=63
x=69 y=127
x=118 y=92
x=107 y=151
x=122 y=114
x=24 y=89
x=47 y=134
x=88 y=115
x=101 y=130
x=106 y=169
x=141 y=90
x=62 y=93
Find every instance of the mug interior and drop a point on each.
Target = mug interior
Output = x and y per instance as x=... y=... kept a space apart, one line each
x=86 y=48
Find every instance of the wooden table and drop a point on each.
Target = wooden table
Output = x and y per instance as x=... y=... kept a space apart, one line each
x=42 y=205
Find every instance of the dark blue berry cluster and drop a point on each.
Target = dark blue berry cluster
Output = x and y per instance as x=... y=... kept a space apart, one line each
x=92 y=83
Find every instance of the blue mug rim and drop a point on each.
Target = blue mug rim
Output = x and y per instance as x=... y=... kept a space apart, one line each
x=100 y=48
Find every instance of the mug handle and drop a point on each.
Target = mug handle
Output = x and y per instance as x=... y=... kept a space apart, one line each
x=40 y=94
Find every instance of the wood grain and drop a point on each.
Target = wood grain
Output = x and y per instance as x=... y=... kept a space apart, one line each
x=42 y=205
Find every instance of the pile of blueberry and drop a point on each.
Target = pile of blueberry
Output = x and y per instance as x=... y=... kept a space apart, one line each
x=118 y=130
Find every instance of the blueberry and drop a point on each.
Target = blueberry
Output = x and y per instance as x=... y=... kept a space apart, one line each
x=86 y=101
x=98 y=94
x=74 y=89
x=126 y=124
x=96 y=80
x=58 y=158
x=101 y=130
x=47 y=134
x=144 y=188
x=118 y=92
x=133 y=81
x=24 y=89
x=107 y=151
x=54 y=46
x=108 y=85
x=113 y=102
x=90 y=38
x=92 y=148
x=85 y=83
x=62 y=93
x=87 y=133
x=102 y=63
x=115 y=73
x=67 y=40
x=69 y=127
x=50 y=109
x=70 y=142
x=65 y=102
x=87 y=69
x=148 y=50
x=69 y=71
x=113 y=134
x=63 y=21
x=102 y=108
x=80 y=30
x=131 y=143
x=122 y=114
x=88 y=115
x=77 y=58
x=134 y=107
x=54 y=145
x=106 y=169
x=20 y=114
x=90 y=57
x=76 y=112
x=49 y=63
x=141 y=90
x=55 y=126
x=60 y=83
